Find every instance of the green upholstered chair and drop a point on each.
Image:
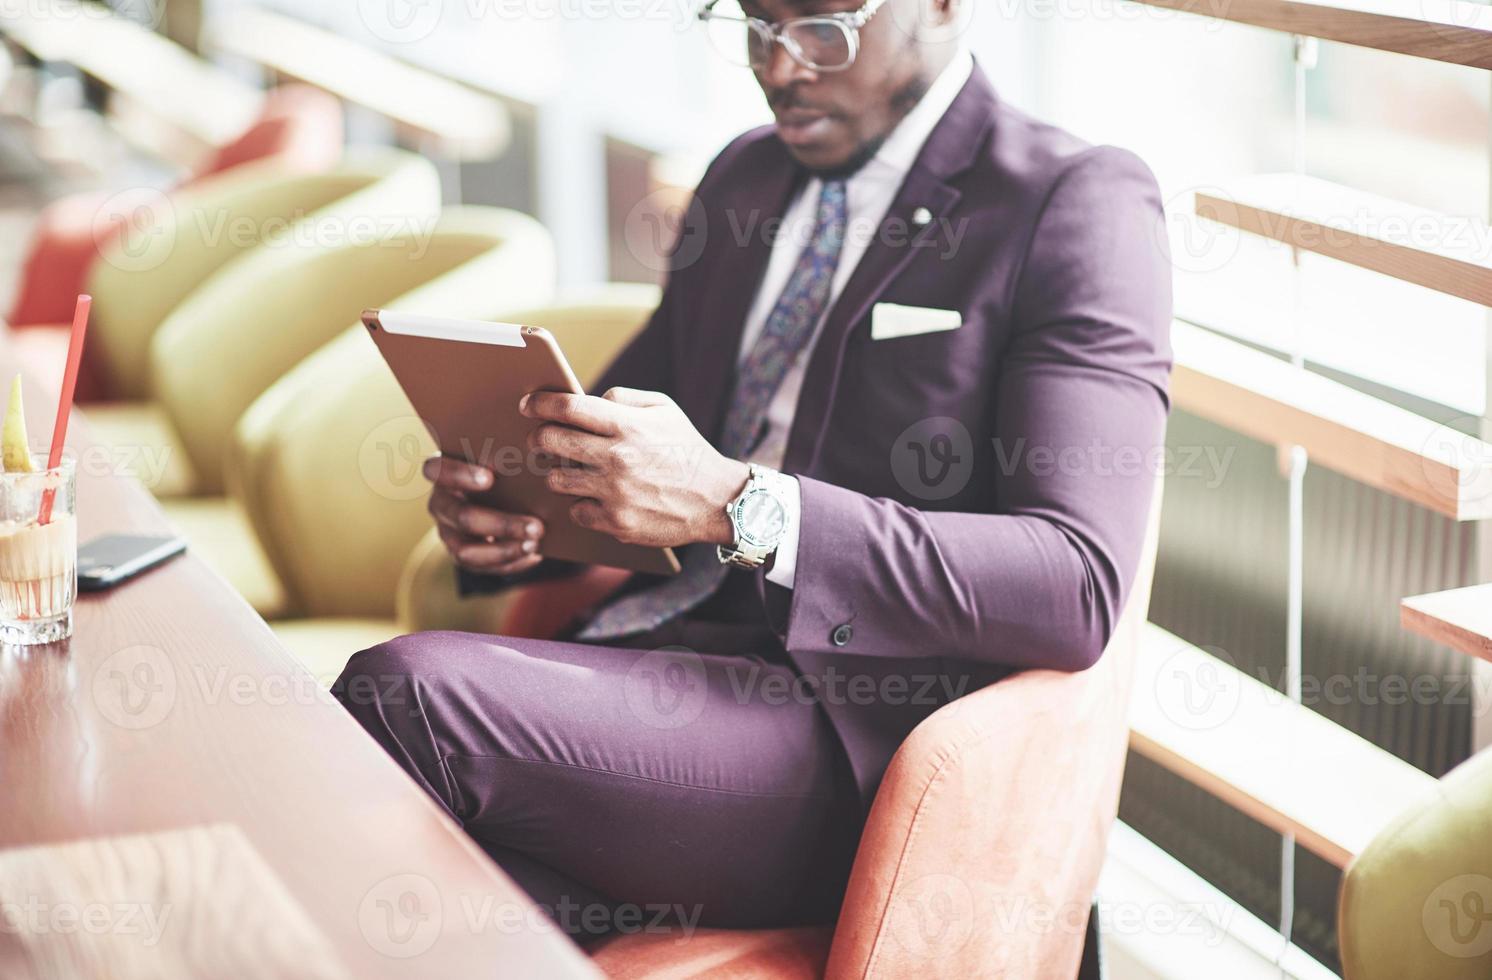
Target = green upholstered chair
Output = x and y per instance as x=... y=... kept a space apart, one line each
x=223 y=353
x=239 y=227
x=327 y=467
x=1417 y=902
x=175 y=248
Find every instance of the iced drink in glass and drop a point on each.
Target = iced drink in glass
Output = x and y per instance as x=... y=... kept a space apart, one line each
x=38 y=553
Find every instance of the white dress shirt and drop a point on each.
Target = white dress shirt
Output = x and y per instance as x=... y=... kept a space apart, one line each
x=869 y=193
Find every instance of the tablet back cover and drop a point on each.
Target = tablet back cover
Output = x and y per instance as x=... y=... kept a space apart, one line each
x=465 y=385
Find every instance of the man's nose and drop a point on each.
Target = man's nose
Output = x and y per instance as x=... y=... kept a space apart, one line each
x=783 y=70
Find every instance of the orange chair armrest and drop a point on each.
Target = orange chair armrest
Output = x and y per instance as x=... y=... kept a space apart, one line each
x=986 y=838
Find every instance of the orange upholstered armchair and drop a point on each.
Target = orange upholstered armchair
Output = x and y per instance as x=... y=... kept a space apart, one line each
x=984 y=843
x=298 y=125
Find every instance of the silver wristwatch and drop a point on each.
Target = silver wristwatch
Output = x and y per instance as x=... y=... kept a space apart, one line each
x=759 y=516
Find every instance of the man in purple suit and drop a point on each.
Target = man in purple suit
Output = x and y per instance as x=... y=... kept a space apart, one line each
x=898 y=410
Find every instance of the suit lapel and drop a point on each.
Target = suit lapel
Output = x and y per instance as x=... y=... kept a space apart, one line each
x=877 y=270
x=950 y=150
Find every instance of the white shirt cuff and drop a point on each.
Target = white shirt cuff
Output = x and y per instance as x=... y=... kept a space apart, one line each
x=785 y=565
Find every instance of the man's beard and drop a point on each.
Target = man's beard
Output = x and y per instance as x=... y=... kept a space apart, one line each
x=864 y=153
x=904 y=101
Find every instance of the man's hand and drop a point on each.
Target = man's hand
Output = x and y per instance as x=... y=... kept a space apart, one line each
x=479 y=538
x=641 y=469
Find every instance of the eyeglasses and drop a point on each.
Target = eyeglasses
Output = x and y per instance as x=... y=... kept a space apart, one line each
x=824 y=42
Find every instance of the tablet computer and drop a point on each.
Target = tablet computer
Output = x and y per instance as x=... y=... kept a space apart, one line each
x=464 y=379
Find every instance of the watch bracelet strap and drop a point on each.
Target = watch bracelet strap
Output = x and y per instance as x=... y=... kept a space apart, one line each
x=761 y=476
x=737 y=559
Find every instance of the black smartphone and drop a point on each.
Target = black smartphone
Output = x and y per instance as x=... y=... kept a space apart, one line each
x=116 y=558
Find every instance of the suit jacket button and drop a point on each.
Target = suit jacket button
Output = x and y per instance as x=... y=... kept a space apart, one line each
x=841 y=635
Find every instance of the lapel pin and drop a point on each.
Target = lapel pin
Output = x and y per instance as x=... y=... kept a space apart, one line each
x=922 y=217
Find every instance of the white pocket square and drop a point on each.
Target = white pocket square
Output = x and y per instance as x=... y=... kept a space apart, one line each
x=889 y=320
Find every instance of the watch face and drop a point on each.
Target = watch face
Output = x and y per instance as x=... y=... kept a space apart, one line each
x=761 y=519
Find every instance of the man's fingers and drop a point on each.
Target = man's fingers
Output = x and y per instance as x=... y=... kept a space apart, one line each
x=483 y=522
x=453 y=540
x=574 y=481
x=581 y=411
x=573 y=444
x=521 y=565
x=493 y=556
x=587 y=512
x=496 y=559
x=636 y=397
x=457 y=474
x=444 y=507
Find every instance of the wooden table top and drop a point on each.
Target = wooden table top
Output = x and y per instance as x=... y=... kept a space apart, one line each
x=173 y=711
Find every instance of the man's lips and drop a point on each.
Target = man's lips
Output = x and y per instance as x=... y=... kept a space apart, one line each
x=801 y=125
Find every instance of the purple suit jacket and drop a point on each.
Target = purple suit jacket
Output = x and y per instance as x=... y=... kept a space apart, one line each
x=975 y=499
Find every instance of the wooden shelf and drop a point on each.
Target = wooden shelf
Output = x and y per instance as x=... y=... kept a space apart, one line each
x=1446 y=253
x=1457 y=32
x=1459 y=618
x=1355 y=434
x=462 y=123
x=1280 y=763
x=152 y=74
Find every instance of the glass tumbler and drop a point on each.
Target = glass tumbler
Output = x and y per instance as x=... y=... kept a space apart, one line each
x=38 y=553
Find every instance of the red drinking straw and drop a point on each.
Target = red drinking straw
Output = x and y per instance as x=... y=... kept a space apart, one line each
x=65 y=402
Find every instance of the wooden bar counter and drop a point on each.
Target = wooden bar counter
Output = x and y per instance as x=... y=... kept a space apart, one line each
x=179 y=799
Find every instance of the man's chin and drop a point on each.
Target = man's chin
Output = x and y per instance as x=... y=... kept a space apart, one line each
x=831 y=159
x=815 y=157
x=828 y=156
